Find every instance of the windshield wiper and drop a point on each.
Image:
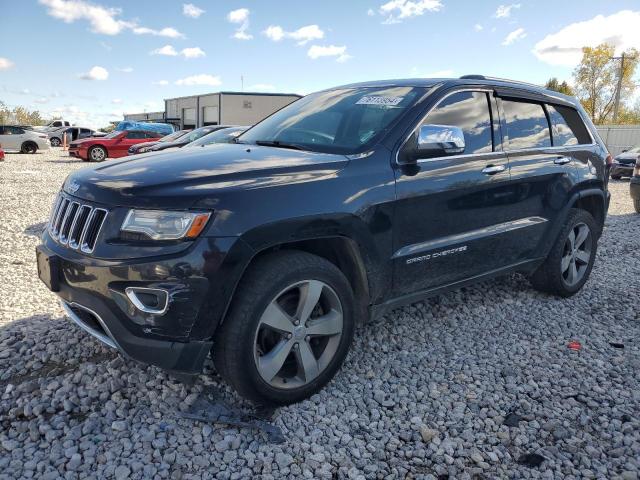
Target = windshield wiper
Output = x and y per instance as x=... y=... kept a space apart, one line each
x=279 y=144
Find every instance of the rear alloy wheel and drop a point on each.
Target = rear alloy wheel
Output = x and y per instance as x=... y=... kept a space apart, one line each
x=569 y=263
x=55 y=142
x=97 y=154
x=288 y=330
x=29 y=147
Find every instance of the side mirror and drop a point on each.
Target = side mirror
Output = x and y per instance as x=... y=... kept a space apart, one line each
x=438 y=141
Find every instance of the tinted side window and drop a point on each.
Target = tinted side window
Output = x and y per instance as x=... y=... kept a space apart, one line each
x=2 y=132
x=527 y=125
x=135 y=135
x=57 y=124
x=9 y=130
x=568 y=127
x=470 y=112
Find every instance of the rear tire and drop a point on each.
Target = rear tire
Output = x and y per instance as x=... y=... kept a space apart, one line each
x=55 y=142
x=29 y=147
x=96 y=154
x=262 y=352
x=569 y=263
x=636 y=204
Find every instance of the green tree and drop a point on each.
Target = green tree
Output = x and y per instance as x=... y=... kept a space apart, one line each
x=596 y=80
x=20 y=115
x=557 y=86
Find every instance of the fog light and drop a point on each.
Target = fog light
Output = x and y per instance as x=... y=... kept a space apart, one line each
x=149 y=300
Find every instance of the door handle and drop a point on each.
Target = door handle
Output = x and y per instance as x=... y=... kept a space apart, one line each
x=493 y=169
x=562 y=160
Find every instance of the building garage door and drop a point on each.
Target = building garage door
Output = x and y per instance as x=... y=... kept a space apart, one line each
x=209 y=116
x=188 y=118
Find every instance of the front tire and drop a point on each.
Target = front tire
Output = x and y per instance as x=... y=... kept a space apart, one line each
x=96 y=154
x=288 y=330
x=569 y=263
x=29 y=147
x=55 y=142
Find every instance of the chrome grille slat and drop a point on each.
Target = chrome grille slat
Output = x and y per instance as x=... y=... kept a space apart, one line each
x=75 y=224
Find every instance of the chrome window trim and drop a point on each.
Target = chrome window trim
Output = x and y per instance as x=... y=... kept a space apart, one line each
x=503 y=151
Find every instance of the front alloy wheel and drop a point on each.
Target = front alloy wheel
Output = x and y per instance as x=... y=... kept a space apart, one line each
x=298 y=334
x=97 y=154
x=288 y=330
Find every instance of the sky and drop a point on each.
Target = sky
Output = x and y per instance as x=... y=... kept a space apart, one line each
x=90 y=62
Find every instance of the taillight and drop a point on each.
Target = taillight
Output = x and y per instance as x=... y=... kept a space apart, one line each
x=609 y=160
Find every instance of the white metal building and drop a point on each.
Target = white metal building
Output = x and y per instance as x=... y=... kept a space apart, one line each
x=619 y=137
x=145 y=117
x=224 y=108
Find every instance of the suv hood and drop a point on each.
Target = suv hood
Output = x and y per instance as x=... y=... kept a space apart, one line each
x=192 y=178
x=628 y=156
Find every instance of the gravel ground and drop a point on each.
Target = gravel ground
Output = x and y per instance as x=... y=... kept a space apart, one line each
x=477 y=383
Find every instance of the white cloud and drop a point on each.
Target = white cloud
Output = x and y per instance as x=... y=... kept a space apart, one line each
x=318 y=51
x=192 y=52
x=41 y=100
x=169 y=32
x=371 y=12
x=202 y=79
x=514 y=36
x=103 y=20
x=167 y=50
x=303 y=35
x=240 y=17
x=478 y=28
x=5 y=63
x=125 y=69
x=504 y=11
x=116 y=101
x=262 y=87
x=170 y=51
x=565 y=46
x=96 y=73
x=397 y=10
x=190 y=10
x=161 y=82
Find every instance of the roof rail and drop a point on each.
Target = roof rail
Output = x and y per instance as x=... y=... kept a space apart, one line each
x=483 y=77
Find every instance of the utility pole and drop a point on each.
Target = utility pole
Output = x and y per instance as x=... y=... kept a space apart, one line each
x=616 y=104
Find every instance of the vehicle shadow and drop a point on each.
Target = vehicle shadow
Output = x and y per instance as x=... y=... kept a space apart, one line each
x=35 y=229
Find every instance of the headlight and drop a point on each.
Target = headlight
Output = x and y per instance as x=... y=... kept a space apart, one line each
x=165 y=225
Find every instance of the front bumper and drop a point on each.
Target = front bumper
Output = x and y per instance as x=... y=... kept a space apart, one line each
x=93 y=295
x=634 y=188
x=622 y=170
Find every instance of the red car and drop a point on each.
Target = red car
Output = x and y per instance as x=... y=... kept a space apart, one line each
x=1 y=153
x=114 y=145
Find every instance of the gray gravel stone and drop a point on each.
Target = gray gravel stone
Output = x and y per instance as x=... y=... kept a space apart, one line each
x=424 y=392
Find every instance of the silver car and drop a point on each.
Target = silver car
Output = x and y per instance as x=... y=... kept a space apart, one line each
x=56 y=137
x=19 y=139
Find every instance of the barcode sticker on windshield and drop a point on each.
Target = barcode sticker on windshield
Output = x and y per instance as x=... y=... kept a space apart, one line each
x=385 y=101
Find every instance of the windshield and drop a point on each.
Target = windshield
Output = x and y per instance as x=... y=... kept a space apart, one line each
x=334 y=121
x=635 y=149
x=173 y=136
x=196 y=134
x=113 y=134
x=224 y=135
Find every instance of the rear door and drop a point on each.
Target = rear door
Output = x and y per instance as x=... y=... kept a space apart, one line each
x=131 y=138
x=452 y=217
x=544 y=174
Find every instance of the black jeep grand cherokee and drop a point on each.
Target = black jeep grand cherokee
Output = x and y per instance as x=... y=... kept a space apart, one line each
x=338 y=207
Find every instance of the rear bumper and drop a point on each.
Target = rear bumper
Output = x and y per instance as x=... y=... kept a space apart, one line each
x=634 y=188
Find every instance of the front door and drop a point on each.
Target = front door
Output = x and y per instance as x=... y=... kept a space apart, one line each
x=11 y=137
x=453 y=219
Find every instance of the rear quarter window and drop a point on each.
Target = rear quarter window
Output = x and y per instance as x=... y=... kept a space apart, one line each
x=567 y=126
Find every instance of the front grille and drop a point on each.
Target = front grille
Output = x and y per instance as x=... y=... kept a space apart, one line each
x=75 y=224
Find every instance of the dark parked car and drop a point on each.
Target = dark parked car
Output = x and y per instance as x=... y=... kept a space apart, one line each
x=341 y=206
x=635 y=186
x=145 y=146
x=186 y=139
x=224 y=135
x=624 y=163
